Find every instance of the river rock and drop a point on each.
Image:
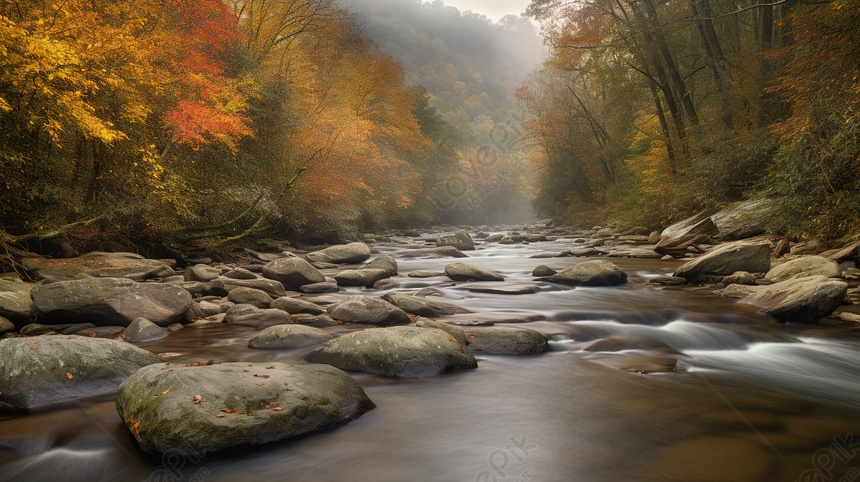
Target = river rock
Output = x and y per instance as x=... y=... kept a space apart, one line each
x=740 y=278
x=250 y=315
x=191 y=411
x=543 y=271
x=251 y=296
x=48 y=370
x=460 y=240
x=111 y=301
x=742 y=220
x=728 y=258
x=201 y=272
x=467 y=272
x=6 y=326
x=694 y=230
x=591 y=273
x=368 y=311
x=799 y=300
x=325 y=287
x=295 y=305
x=289 y=336
x=443 y=252
x=293 y=273
x=223 y=286
x=351 y=253
x=386 y=263
x=100 y=265
x=643 y=364
x=506 y=341
x=424 y=274
x=417 y=305
x=240 y=273
x=402 y=351
x=803 y=267
x=317 y=321
x=455 y=331
x=360 y=277
x=504 y=289
x=141 y=330
x=15 y=302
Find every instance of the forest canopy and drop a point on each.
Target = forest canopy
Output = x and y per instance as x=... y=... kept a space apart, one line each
x=648 y=111
x=180 y=121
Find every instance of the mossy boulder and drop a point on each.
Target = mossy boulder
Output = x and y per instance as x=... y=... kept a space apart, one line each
x=46 y=370
x=195 y=410
x=402 y=351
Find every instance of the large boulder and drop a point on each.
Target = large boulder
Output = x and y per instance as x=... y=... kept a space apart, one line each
x=742 y=220
x=351 y=253
x=460 y=240
x=46 y=370
x=387 y=263
x=417 y=305
x=111 y=301
x=455 y=331
x=191 y=411
x=368 y=311
x=591 y=273
x=360 y=277
x=799 y=300
x=506 y=340
x=402 y=351
x=289 y=336
x=467 y=272
x=100 y=265
x=750 y=256
x=803 y=267
x=295 y=305
x=293 y=273
x=250 y=296
x=676 y=238
x=15 y=302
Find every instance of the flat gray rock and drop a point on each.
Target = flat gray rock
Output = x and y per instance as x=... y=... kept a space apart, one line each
x=506 y=340
x=402 y=351
x=804 y=266
x=192 y=411
x=421 y=306
x=726 y=259
x=368 y=311
x=289 y=336
x=111 y=301
x=297 y=305
x=141 y=330
x=351 y=253
x=467 y=272
x=360 y=277
x=46 y=370
x=591 y=273
x=799 y=300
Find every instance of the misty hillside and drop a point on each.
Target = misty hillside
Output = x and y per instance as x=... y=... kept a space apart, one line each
x=469 y=64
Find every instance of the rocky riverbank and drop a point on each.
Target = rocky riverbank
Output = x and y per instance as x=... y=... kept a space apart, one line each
x=102 y=303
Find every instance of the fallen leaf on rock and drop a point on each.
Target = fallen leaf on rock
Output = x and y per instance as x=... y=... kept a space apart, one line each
x=271 y=367
x=197 y=399
x=450 y=339
x=260 y=384
x=53 y=368
x=278 y=409
x=210 y=362
x=34 y=344
x=162 y=393
x=462 y=349
x=69 y=375
x=227 y=410
x=262 y=376
x=219 y=416
x=122 y=336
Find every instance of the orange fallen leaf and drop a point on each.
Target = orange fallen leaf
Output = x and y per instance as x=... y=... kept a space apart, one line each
x=450 y=339
x=260 y=384
x=197 y=399
x=219 y=416
x=136 y=424
x=278 y=409
x=210 y=362
x=11 y=374
x=227 y=410
x=34 y=344
x=462 y=349
x=262 y=376
x=162 y=393
x=122 y=336
x=238 y=412
x=271 y=367
x=69 y=375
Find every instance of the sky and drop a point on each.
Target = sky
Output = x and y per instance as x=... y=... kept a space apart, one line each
x=494 y=9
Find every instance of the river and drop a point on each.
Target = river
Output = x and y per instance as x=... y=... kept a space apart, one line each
x=749 y=400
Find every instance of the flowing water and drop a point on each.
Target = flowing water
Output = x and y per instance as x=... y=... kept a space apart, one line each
x=749 y=399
